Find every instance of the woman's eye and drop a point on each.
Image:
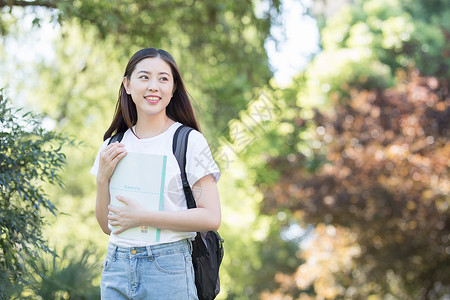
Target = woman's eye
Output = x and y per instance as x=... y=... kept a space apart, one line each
x=164 y=79
x=143 y=77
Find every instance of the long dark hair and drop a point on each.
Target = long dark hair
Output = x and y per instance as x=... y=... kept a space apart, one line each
x=179 y=108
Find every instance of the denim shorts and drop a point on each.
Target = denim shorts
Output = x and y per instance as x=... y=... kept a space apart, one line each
x=162 y=271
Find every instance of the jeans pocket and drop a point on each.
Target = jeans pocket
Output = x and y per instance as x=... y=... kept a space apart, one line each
x=171 y=264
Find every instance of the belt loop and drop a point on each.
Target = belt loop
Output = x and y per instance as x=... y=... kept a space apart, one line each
x=114 y=254
x=189 y=245
x=149 y=253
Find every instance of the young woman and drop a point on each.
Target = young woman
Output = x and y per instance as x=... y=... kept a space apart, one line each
x=153 y=103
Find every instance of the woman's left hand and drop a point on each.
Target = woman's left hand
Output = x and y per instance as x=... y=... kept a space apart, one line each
x=128 y=216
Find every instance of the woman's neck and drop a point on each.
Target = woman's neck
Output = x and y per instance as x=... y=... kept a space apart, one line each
x=151 y=126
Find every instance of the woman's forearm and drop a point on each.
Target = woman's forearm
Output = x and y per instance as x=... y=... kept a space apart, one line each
x=101 y=205
x=197 y=219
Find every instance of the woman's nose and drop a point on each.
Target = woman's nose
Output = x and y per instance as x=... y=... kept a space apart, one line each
x=152 y=85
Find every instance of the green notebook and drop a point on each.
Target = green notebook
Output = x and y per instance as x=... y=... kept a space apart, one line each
x=140 y=177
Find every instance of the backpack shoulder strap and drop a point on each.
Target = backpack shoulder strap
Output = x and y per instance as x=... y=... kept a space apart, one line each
x=116 y=138
x=179 y=148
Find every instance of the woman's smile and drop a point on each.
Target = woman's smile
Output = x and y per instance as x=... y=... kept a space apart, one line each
x=152 y=99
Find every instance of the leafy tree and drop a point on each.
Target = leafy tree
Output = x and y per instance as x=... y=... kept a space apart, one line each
x=368 y=169
x=29 y=156
x=258 y=248
x=364 y=44
x=219 y=46
x=385 y=180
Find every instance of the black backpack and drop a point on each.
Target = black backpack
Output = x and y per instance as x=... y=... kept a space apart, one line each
x=207 y=248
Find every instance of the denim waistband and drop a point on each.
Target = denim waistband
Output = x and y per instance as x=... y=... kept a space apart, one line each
x=148 y=251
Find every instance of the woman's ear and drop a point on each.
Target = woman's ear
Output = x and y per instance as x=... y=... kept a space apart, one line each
x=126 y=85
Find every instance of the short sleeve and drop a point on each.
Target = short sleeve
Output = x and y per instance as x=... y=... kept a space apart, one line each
x=94 y=168
x=199 y=160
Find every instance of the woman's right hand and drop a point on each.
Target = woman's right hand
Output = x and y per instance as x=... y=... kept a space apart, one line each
x=109 y=157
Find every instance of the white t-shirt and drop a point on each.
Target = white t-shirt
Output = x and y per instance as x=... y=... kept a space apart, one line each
x=199 y=162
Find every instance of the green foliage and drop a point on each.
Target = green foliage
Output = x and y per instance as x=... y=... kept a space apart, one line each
x=255 y=263
x=383 y=193
x=257 y=254
x=359 y=174
x=71 y=276
x=218 y=46
x=366 y=43
x=379 y=216
x=29 y=156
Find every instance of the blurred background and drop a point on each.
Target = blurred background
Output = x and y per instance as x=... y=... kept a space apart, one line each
x=329 y=120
